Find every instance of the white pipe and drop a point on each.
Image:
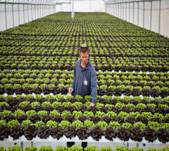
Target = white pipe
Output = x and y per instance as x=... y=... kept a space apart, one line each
x=72 y=13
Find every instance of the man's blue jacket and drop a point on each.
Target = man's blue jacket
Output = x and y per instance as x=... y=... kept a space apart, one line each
x=85 y=81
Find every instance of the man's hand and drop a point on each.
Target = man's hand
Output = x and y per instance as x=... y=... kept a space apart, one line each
x=92 y=104
x=70 y=90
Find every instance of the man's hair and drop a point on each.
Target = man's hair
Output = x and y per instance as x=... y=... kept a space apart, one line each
x=84 y=49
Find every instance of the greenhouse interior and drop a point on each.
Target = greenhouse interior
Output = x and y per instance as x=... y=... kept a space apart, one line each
x=84 y=75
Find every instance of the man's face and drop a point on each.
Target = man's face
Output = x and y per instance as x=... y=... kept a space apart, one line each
x=84 y=57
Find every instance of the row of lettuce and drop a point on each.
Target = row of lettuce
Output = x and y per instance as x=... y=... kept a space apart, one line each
x=58 y=81
x=106 y=44
x=122 y=63
x=59 y=115
x=73 y=51
x=80 y=148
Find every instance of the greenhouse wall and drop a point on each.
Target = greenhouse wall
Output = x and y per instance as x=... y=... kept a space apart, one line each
x=85 y=6
x=152 y=15
x=15 y=13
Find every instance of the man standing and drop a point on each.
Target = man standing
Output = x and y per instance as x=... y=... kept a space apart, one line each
x=85 y=81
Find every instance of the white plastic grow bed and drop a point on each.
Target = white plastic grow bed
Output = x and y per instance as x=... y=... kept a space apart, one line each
x=23 y=142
